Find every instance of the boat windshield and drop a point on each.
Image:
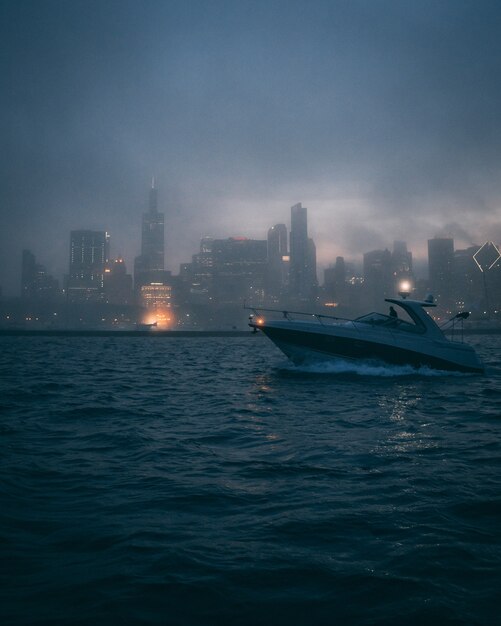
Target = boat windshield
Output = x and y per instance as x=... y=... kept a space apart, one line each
x=389 y=321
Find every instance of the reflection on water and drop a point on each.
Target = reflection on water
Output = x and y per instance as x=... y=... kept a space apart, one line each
x=403 y=403
x=201 y=482
x=410 y=432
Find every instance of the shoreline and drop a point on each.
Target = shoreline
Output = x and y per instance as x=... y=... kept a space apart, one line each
x=22 y=332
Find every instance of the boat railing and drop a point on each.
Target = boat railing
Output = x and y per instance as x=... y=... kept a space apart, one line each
x=375 y=320
x=322 y=318
x=288 y=315
x=455 y=326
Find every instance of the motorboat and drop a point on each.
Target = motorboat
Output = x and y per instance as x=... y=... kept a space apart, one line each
x=414 y=339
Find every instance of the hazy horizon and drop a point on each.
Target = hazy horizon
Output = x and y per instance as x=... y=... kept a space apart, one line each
x=380 y=117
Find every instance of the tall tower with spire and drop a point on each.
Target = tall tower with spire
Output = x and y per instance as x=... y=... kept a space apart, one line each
x=153 y=200
x=149 y=266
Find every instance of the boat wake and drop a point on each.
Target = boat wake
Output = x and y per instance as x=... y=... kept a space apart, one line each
x=362 y=368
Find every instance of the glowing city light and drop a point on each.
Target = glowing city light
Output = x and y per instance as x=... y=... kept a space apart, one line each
x=405 y=285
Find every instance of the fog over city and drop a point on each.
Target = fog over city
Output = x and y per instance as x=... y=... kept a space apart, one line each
x=382 y=117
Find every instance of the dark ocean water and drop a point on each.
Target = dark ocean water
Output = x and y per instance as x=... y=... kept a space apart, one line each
x=203 y=481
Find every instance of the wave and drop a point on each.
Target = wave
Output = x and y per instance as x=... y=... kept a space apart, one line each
x=363 y=368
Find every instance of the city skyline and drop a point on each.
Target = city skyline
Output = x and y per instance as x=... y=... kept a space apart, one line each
x=382 y=118
x=225 y=273
x=152 y=247
x=422 y=267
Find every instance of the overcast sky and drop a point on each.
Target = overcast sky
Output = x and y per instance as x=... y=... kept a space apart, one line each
x=382 y=117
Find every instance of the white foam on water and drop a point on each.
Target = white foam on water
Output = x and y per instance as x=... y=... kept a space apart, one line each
x=364 y=368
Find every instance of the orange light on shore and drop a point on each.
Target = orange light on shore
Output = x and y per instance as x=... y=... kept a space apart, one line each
x=162 y=318
x=165 y=319
x=260 y=321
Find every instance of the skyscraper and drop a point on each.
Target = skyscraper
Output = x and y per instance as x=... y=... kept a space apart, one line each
x=156 y=299
x=201 y=273
x=334 y=280
x=441 y=268
x=239 y=270
x=149 y=266
x=378 y=282
x=401 y=265
x=117 y=283
x=36 y=283
x=89 y=252
x=152 y=240
x=28 y=275
x=339 y=273
x=302 y=276
x=277 y=251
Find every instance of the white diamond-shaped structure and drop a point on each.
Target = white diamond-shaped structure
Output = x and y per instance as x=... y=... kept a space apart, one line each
x=487 y=256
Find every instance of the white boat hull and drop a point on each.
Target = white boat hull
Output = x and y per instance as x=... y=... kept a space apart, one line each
x=303 y=341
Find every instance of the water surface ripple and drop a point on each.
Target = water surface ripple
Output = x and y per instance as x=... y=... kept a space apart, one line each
x=205 y=481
